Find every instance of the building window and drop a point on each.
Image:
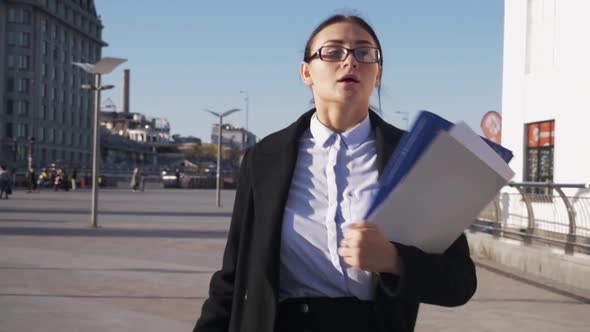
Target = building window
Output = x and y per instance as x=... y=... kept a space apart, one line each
x=8 y=130
x=10 y=84
x=22 y=130
x=24 y=62
x=22 y=85
x=50 y=135
x=11 y=61
x=26 y=17
x=9 y=106
x=60 y=8
x=540 y=138
x=19 y=38
x=12 y=38
x=22 y=108
x=43 y=25
x=25 y=39
x=13 y=15
x=40 y=134
x=42 y=111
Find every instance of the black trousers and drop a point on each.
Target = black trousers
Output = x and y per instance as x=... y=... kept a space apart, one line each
x=343 y=314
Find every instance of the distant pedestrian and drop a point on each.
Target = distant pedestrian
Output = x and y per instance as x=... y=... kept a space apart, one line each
x=74 y=176
x=141 y=180
x=5 y=188
x=177 y=174
x=44 y=179
x=65 y=181
x=135 y=179
x=58 y=179
x=32 y=180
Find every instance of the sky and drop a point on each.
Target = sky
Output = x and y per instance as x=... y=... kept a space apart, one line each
x=190 y=55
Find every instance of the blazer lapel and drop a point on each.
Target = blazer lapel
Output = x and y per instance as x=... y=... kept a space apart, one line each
x=275 y=162
x=387 y=137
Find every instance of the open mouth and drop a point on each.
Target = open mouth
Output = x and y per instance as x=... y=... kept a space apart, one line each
x=349 y=79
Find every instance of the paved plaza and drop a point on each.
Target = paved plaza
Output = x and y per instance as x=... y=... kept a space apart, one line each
x=148 y=265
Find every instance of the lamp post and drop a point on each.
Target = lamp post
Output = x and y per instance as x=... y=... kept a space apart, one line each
x=15 y=150
x=220 y=116
x=246 y=99
x=102 y=67
x=405 y=116
x=30 y=154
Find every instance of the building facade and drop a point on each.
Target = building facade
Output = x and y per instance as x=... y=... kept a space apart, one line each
x=546 y=110
x=40 y=92
x=136 y=126
x=234 y=137
x=546 y=89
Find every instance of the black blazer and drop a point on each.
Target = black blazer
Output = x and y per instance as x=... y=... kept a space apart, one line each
x=243 y=295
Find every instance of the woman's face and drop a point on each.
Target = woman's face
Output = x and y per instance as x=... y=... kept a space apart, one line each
x=347 y=81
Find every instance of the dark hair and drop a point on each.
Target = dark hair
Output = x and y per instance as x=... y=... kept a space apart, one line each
x=339 y=18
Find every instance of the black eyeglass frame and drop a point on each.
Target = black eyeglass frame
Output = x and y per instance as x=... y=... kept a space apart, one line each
x=318 y=54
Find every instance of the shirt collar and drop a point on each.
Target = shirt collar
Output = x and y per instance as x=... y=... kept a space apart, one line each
x=352 y=137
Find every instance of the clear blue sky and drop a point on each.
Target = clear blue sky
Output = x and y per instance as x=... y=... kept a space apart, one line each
x=184 y=56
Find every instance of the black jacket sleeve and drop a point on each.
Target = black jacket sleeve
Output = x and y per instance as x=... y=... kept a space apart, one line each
x=217 y=309
x=446 y=279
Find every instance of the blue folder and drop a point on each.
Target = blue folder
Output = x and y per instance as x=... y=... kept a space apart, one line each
x=410 y=148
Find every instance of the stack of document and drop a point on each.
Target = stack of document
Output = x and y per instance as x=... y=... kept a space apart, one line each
x=436 y=182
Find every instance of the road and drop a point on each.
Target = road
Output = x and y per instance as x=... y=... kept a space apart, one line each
x=148 y=266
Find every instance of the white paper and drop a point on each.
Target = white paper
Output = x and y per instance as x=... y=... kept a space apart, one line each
x=455 y=178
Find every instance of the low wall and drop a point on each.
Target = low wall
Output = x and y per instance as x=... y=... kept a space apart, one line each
x=545 y=262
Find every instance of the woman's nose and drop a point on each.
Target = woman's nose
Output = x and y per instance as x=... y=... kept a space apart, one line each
x=350 y=60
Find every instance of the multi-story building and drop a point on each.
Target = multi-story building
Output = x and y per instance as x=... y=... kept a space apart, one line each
x=40 y=94
x=234 y=137
x=136 y=126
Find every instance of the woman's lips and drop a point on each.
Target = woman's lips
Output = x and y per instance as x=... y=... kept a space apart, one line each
x=349 y=79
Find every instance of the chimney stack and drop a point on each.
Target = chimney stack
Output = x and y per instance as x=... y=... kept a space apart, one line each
x=125 y=91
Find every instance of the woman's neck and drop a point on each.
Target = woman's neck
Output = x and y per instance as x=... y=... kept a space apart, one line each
x=340 y=118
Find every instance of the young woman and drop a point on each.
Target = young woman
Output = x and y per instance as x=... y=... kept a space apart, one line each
x=298 y=256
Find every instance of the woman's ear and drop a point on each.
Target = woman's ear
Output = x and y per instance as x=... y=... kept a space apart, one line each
x=378 y=80
x=305 y=75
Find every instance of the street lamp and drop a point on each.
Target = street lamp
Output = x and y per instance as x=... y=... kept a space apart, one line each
x=30 y=155
x=102 y=67
x=405 y=116
x=246 y=98
x=220 y=116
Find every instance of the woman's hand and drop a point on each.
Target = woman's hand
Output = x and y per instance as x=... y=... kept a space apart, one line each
x=365 y=247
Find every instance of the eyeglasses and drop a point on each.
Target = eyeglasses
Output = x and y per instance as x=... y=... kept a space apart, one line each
x=339 y=53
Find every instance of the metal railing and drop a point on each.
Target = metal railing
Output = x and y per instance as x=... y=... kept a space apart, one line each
x=541 y=212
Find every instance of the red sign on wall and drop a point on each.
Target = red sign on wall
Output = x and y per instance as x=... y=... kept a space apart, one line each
x=540 y=134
